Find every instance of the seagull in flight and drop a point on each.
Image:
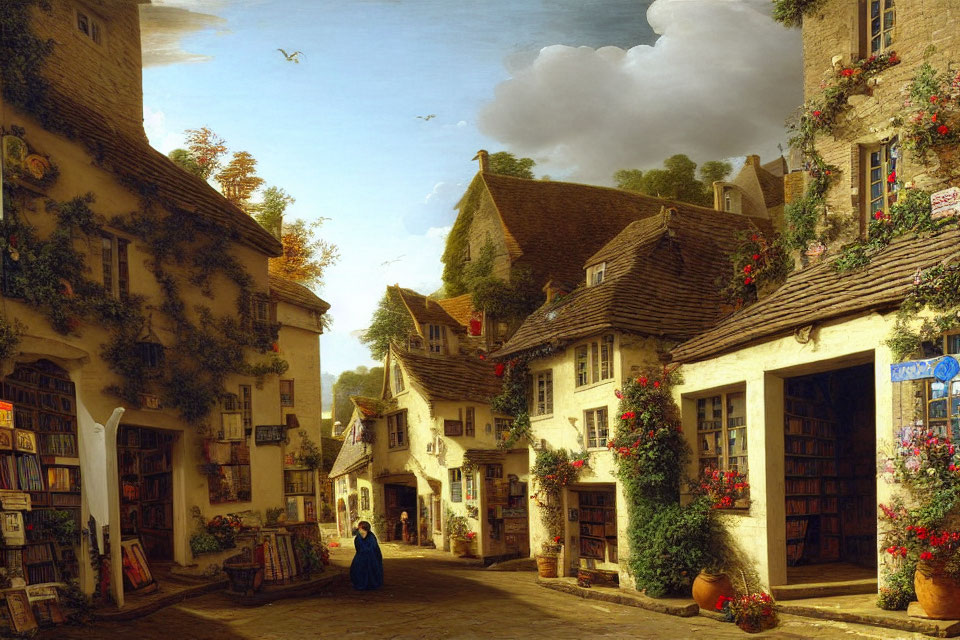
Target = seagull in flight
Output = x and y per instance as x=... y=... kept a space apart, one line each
x=291 y=57
x=427 y=118
x=387 y=263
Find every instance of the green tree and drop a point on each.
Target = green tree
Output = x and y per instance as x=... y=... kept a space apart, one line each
x=676 y=181
x=185 y=160
x=391 y=322
x=305 y=256
x=505 y=163
x=269 y=211
x=359 y=382
x=239 y=179
x=203 y=152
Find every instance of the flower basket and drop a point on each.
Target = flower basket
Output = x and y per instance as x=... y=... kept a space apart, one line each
x=245 y=576
x=547 y=566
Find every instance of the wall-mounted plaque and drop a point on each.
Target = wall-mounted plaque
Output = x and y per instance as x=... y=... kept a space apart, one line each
x=270 y=433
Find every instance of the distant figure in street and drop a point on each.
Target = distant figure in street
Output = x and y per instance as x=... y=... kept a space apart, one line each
x=366 y=570
x=407 y=527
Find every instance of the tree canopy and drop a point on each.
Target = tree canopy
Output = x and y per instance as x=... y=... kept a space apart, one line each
x=677 y=180
x=391 y=322
x=359 y=382
x=505 y=163
x=269 y=211
x=239 y=179
x=203 y=152
x=305 y=256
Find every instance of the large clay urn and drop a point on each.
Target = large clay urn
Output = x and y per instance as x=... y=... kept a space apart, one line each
x=938 y=594
x=709 y=587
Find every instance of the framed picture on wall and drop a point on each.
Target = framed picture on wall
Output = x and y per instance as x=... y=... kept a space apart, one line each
x=573 y=515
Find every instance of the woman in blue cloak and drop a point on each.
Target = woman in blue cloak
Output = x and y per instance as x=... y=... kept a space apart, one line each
x=366 y=571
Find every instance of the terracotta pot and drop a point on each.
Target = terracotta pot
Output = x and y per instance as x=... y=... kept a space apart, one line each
x=547 y=566
x=709 y=587
x=938 y=594
x=461 y=547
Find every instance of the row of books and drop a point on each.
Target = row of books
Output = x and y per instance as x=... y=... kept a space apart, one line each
x=65 y=500
x=157 y=516
x=63 y=479
x=159 y=487
x=55 y=402
x=58 y=444
x=38 y=553
x=809 y=427
x=797 y=528
x=802 y=486
x=50 y=422
x=280 y=561
x=798 y=467
x=56 y=384
x=40 y=573
x=20 y=472
x=155 y=462
x=809 y=447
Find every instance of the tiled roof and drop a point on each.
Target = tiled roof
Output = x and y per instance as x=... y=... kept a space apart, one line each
x=139 y=165
x=552 y=227
x=818 y=294
x=771 y=186
x=458 y=308
x=297 y=294
x=425 y=310
x=450 y=377
x=368 y=407
x=661 y=279
x=777 y=168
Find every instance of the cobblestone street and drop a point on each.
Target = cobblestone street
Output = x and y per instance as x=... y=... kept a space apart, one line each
x=429 y=595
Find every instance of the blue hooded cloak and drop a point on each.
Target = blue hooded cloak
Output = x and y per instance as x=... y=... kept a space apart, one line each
x=366 y=570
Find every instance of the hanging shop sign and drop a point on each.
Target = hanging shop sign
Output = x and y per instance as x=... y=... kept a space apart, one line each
x=946 y=369
x=913 y=370
x=270 y=433
x=945 y=203
x=6 y=415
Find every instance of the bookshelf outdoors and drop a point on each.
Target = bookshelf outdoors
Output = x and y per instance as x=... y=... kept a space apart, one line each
x=598 y=526
x=146 y=489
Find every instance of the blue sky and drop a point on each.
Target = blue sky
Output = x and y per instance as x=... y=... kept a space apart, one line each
x=562 y=81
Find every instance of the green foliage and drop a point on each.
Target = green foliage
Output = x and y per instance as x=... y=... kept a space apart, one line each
x=458 y=240
x=62 y=526
x=502 y=299
x=801 y=217
x=938 y=289
x=185 y=160
x=10 y=333
x=310 y=455
x=391 y=322
x=23 y=56
x=791 y=12
x=358 y=382
x=756 y=263
x=505 y=163
x=897 y=591
x=552 y=471
x=676 y=181
x=269 y=211
x=457 y=526
x=934 y=121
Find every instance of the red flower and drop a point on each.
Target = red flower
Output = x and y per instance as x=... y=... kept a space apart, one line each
x=498 y=370
x=642 y=381
x=933 y=99
x=926 y=555
x=748 y=268
x=756 y=257
x=816 y=114
x=753 y=238
x=934 y=117
x=656 y=384
x=892 y=177
x=649 y=434
x=619 y=394
x=903 y=552
x=747 y=280
x=275 y=347
x=557 y=539
x=577 y=464
x=481 y=356
x=846 y=73
x=878 y=215
x=628 y=415
x=943 y=130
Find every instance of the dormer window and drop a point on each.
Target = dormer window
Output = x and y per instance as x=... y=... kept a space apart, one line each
x=437 y=338
x=595 y=274
x=397 y=378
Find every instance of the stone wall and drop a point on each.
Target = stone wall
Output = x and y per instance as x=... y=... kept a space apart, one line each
x=922 y=33
x=105 y=76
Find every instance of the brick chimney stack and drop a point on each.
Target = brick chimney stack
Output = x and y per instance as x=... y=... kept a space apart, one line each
x=484 y=159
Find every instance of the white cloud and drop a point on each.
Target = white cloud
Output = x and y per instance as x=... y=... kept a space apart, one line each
x=462 y=124
x=164 y=23
x=155 y=125
x=717 y=83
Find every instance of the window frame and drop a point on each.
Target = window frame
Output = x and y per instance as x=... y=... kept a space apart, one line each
x=456 y=482
x=723 y=456
x=590 y=417
x=501 y=425
x=364 y=499
x=542 y=406
x=291 y=397
x=397 y=430
x=888 y=155
x=437 y=339
x=470 y=422
x=593 y=362
x=246 y=406
x=397 y=374
x=94 y=30
x=883 y=37
x=596 y=274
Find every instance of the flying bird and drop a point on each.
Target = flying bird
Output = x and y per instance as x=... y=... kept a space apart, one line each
x=291 y=57
x=387 y=263
x=427 y=118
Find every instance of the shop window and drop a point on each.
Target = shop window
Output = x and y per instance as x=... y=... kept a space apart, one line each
x=596 y=431
x=881 y=165
x=542 y=393
x=722 y=432
x=286 y=393
x=470 y=422
x=943 y=398
x=880 y=20
x=397 y=378
x=593 y=362
x=397 y=430
x=364 y=499
x=456 y=485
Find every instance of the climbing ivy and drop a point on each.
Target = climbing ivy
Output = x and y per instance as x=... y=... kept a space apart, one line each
x=792 y=12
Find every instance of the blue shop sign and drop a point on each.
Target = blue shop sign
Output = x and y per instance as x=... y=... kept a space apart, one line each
x=946 y=369
x=915 y=370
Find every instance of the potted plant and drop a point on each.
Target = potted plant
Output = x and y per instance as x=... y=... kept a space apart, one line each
x=548 y=560
x=752 y=612
x=458 y=528
x=553 y=471
x=722 y=489
x=926 y=534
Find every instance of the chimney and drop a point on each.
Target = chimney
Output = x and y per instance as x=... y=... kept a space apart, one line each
x=484 y=159
x=754 y=160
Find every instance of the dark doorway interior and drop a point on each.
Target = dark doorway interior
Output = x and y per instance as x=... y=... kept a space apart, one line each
x=400 y=498
x=830 y=475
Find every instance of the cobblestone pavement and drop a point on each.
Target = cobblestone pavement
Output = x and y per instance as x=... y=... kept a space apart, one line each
x=429 y=595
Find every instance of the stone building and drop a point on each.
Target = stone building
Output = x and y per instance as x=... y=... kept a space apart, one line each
x=152 y=296
x=652 y=286
x=805 y=373
x=756 y=190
